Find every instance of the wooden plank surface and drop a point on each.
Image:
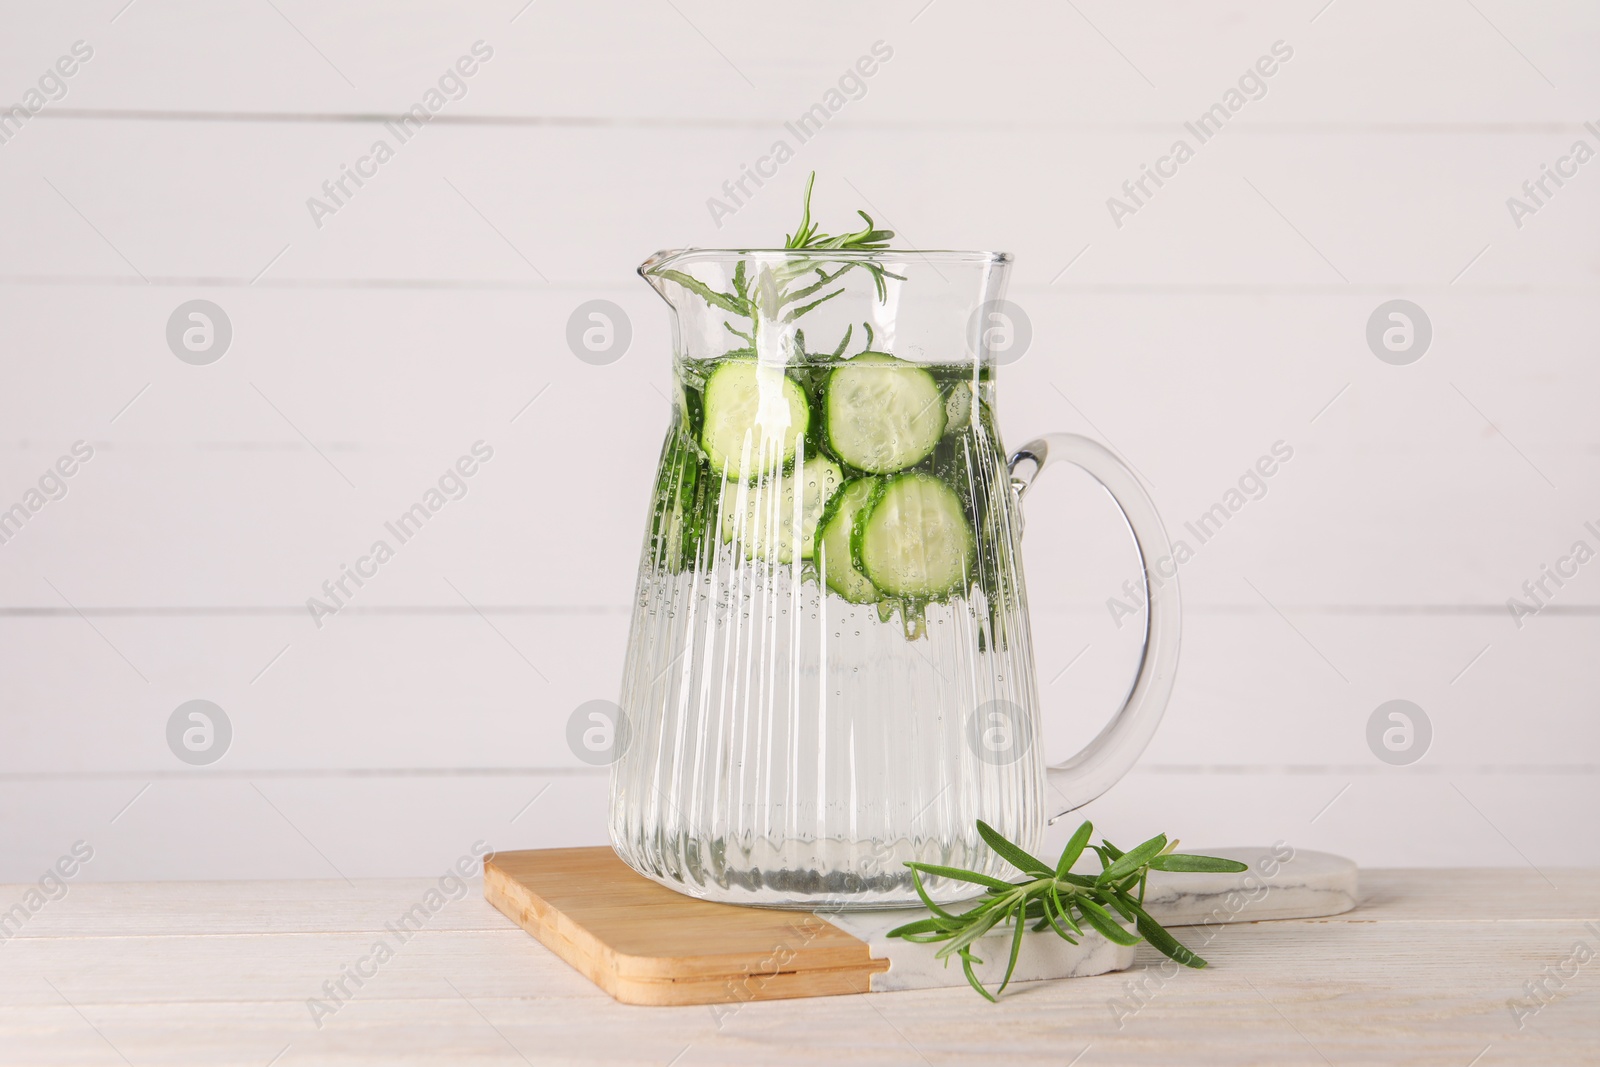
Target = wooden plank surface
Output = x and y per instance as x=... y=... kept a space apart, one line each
x=221 y=973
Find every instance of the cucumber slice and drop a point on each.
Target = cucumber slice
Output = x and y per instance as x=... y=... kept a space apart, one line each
x=833 y=541
x=914 y=541
x=753 y=417
x=882 y=414
x=763 y=516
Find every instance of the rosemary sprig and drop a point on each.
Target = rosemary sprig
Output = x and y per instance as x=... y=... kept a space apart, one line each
x=775 y=295
x=1054 y=898
x=868 y=238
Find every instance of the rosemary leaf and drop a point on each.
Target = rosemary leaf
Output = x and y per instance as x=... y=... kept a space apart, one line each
x=725 y=301
x=1013 y=855
x=1104 y=924
x=1177 y=861
x=797 y=312
x=1130 y=862
x=959 y=875
x=1016 y=945
x=1074 y=849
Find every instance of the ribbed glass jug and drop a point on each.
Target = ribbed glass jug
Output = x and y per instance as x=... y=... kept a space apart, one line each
x=829 y=669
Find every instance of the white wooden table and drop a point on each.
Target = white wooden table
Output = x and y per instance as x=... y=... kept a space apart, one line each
x=221 y=973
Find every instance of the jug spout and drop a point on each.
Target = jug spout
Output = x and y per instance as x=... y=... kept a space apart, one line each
x=650 y=271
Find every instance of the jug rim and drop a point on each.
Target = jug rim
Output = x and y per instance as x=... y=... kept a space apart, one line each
x=936 y=255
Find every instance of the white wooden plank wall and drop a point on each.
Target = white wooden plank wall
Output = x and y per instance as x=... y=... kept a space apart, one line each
x=368 y=353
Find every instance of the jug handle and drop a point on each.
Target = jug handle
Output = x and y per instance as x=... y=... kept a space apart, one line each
x=1099 y=764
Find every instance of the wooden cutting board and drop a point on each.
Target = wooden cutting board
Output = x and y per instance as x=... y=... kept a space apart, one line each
x=645 y=944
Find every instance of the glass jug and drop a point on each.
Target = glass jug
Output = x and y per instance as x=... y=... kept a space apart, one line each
x=829 y=670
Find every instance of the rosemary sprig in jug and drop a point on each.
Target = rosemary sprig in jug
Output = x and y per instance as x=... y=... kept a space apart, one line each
x=782 y=292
